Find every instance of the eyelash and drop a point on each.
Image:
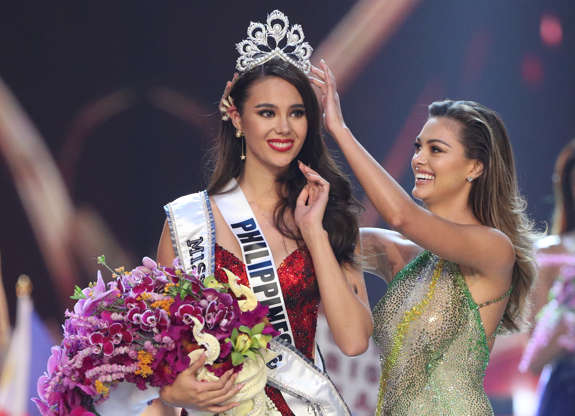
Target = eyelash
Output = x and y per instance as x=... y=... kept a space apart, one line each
x=434 y=149
x=271 y=113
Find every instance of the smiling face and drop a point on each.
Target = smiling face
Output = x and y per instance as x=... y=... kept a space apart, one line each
x=274 y=123
x=439 y=164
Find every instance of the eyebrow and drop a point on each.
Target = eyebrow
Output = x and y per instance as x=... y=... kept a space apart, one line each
x=268 y=105
x=434 y=140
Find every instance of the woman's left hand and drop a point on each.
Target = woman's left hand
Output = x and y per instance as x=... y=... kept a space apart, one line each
x=311 y=202
x=324 y=80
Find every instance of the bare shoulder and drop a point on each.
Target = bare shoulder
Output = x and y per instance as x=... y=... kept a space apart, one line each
x=166 y=253
x=500 y=246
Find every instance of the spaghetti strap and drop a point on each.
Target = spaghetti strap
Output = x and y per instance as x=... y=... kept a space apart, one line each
x=500 y=298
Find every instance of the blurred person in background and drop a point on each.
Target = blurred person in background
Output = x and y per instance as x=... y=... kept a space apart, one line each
x=552 y=344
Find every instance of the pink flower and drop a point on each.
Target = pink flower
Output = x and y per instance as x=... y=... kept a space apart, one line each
x=154 y=319
x=222 y=313
x=104 y=343
x=187 y=311
x=119 y=333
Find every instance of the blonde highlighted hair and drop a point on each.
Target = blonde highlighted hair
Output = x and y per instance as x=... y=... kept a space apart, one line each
x=495 y=198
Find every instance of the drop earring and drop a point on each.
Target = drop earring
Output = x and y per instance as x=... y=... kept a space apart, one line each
x=240 y=136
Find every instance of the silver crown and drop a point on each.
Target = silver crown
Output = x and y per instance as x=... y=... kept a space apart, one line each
x=274 y=39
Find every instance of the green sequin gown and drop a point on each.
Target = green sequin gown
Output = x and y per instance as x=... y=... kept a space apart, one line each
x=433 y=346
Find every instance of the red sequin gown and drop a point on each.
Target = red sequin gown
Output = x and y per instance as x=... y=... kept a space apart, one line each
x=301 y=295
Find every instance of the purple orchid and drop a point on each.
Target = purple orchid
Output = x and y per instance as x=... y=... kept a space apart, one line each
x=95 y=296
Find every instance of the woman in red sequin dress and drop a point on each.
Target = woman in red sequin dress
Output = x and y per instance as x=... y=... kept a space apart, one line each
x=275 y=123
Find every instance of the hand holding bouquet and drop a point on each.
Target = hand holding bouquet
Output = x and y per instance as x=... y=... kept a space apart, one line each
x=145 y=327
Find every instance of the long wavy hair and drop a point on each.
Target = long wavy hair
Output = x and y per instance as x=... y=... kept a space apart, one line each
x=494 y=197
x=340 y=219
x=564 y=213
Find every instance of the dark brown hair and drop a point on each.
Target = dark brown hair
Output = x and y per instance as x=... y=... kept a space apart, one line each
x=340 y=219
x=564 y=213
x=495 y=198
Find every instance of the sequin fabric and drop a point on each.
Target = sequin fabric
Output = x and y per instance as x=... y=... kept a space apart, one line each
x=301 y=295
x=433 y=345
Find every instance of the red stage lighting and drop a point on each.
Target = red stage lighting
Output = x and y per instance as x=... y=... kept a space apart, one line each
x=532 y=69
x=551 y=30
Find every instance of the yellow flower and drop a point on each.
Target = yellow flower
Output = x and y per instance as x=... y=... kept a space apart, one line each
x=243 y=343
x=101 y=388
x=144 y=360
x=164 y=304
x=144 y=296
x=168 y=286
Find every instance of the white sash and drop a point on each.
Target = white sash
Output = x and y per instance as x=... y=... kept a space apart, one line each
x=258 y=259
x=193 y=232
x=306 y=388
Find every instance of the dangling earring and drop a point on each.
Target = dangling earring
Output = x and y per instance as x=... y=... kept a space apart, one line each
x=469 y=179
x=239 y=135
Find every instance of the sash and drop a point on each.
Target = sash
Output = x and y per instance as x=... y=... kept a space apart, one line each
x=258 y=259
x=193 y=232
x=306 y=388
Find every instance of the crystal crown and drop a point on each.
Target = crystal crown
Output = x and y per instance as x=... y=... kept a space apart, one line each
x=274 y=39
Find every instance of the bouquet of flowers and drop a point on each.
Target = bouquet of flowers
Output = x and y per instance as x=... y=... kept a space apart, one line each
x=148 y=325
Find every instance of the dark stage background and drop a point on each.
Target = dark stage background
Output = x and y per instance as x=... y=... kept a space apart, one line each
x=124 y=96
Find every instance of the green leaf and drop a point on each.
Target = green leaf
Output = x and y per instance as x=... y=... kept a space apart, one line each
x=237 y=358
x=78 y=294
x=250 y=354
x=258 y=328
x=246 y=329
x=235 y=334
x=255 y=343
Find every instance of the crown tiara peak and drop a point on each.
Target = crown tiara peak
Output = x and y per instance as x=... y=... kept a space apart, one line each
x=274 y=39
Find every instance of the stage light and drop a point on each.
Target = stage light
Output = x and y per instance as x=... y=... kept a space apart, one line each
x=551 y=30
x=532 y=69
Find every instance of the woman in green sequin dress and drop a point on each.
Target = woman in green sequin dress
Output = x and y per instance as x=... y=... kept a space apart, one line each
x=458 y=268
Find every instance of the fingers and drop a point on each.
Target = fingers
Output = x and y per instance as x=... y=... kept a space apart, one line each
x=215 y=389
x=318 y=72
x=317 y=82
x=235 y=388
x=328 y=77
x=196 y=365
x=303 y=197
x=311 y=175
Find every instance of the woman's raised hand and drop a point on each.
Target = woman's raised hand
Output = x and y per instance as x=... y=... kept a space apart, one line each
x=188 y=392
x=324 y=80
x=311 y=202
